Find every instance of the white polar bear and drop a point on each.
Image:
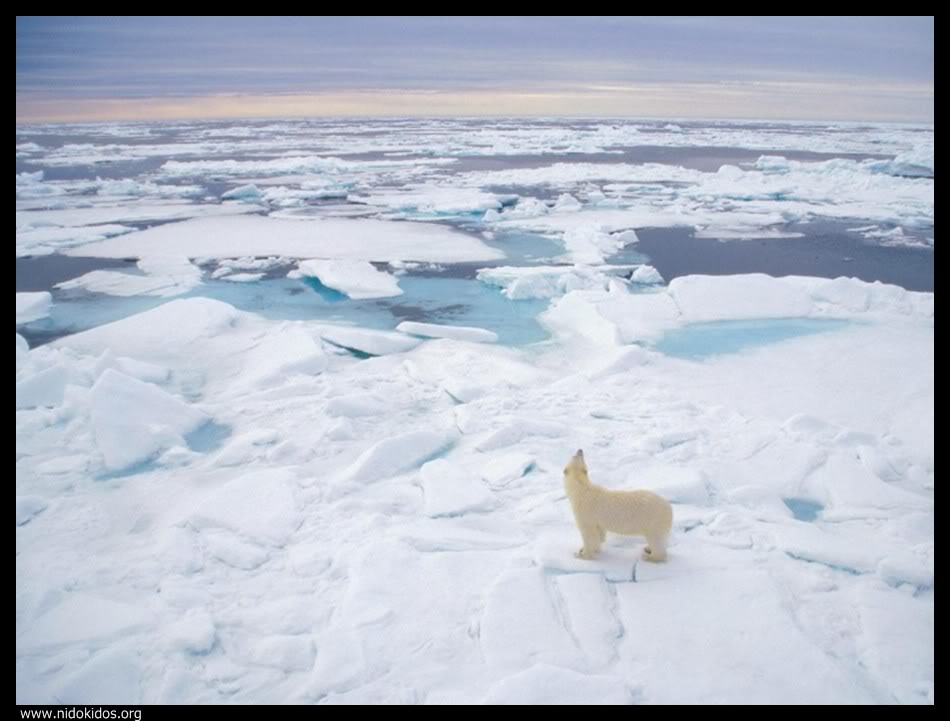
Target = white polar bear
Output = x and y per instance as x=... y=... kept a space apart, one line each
x=598 y=510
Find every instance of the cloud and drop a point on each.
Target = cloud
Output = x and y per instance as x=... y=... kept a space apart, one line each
x=873 y=68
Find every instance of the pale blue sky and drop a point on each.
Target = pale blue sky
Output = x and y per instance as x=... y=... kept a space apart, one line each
x=768 y=67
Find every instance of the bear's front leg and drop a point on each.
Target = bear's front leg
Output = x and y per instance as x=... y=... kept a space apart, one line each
x=592 y=539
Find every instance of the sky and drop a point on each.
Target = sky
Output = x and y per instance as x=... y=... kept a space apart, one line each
x=142 y=68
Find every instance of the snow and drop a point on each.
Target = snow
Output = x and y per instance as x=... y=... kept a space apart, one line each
x=357 y=279
x=32 y=306
x=354 y=239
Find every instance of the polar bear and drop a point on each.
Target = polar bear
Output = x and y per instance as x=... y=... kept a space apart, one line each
x=598 y=510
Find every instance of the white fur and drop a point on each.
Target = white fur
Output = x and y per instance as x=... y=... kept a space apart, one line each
x=598 y=510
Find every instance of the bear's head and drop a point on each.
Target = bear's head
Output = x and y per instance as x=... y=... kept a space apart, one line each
x=576 y=468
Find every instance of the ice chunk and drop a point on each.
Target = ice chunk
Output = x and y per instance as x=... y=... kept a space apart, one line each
x=590 y=244
x=163 y=276
x=349 y=239
x=903 y=567
x=234 y=552
x=437 y=200
x=243 y=192
x=167 y=332
x=550 y=281
x=455 y=332
x=507 y=468
x=520 y=623
x=292 y=164
x=518 y=430
x=130 y=213
x=282 y=354
x=81 y=617
x=132 y=420
x=898 y=653
x=193 y=633
x=148 y=372
x=283 y=652
x=543 y=684
x=734 y=297
x=44 y=388
x=112 y=676
x=396 y=455
x=916 y=163
x=450 y=492
x=258 y=505
x=556 y=553
x=46 y=240
x=807 y=542
x=566 y=201
x=646 y=275
x=28 y=507
x=134 y=188
x=32 y=306
x=588 y=602
x=447 y=536
x=576 y=315
x=357 y=279
x=246 y=447
x=370 y=342
x=622 y=360
x=243 y=277
x=676 y=484
x=356 y=404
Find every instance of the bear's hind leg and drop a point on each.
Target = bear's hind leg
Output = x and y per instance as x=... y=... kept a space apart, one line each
x=655 y=550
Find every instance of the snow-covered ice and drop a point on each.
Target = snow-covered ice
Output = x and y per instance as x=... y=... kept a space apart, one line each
x=361 y=501
x=357 y=279
x=358 y=239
